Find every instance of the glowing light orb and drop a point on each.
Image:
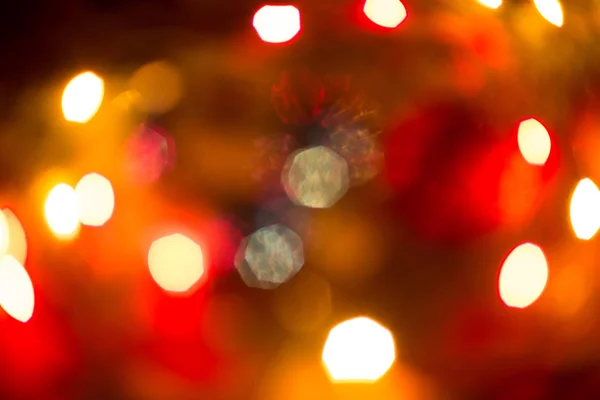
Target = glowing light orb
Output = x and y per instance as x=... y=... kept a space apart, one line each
x=16 y=290
x=62 y=210
x=585 y=209
x=269 y=257
x=358 y=350
x=176 y=262
x=96 y=199
x=277 y=24
x=386 y=13
x=82 y=97
x=17 y=243
x=316 y=177
x=523 y=276
x=551 y=10
x=534 y=142
x=491 y=3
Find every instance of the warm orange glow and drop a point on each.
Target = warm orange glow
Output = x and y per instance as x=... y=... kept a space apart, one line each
x=96 y=199
x=277 y=24
x=551 y=10
x=176 y=262
x=82 y=97
x=16 y=289
x=62 y=210
x=534 y=142
x=491 y=3
x=386 y=13
x=585 y=209
x=523 y=276
x=358 y=350
x=17 y=243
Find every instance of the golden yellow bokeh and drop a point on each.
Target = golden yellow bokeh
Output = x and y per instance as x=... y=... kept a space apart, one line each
x=62 y=211
x=523 y=276
x=96 y=199
x=358 y=350
x=176 y=262
x=16 y=290
x=584 y=210
x=82 y=97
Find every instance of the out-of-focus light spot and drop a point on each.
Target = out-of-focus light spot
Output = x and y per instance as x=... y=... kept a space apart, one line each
x=157 y=87
x=315 y=177
x=523 y=276
x=96 y=199
x=62 y=210
x=17 y=243
x=585 y=209
x=175 y=262
x=386 y=13
x=4 y=234
x=358 y=350
x=303 y=304
x=82 y=97
x=269 y=257
x=277 y=24
x=491 y=3
x=361 y=151
x=551 y=10
x=16 y=289
x=148 y=154
x=534 y=142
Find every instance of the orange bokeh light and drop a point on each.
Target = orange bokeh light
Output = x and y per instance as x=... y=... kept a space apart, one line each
x=523 y=276
x=585 y=209
x=16 y=289
x=358 y=350
x=277 y=24
x=385 y=13
x=96 y=199
x=534 y=142
x=176 y=262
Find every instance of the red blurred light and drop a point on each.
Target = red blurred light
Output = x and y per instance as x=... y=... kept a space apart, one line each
x=277 y=24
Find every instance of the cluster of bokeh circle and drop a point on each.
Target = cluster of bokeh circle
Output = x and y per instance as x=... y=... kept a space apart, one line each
x=316 y=177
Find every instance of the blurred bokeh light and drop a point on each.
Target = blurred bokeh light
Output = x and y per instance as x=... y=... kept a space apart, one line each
x=62 y=210
x=523 y=276
x=4 y=234
x=96 y=199
x=156 y=88
x=16 y=289
x=360 y=149
x=82 y=97
x=149 y=152
x=269 y=257
x=316 y=177
x=491 y=3
x=17 y=240
x=176 y=262
x=551 y=10
x=385 y=13
x=585 y=209
x=277 y=24
x=358 y=350
x=534 y=142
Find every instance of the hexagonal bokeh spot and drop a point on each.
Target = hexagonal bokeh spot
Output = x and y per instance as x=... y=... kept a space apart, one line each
x=269 y=257
x=316 y=177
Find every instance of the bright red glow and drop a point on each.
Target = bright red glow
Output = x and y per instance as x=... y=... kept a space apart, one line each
x=277 y=24
x=386 y=13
